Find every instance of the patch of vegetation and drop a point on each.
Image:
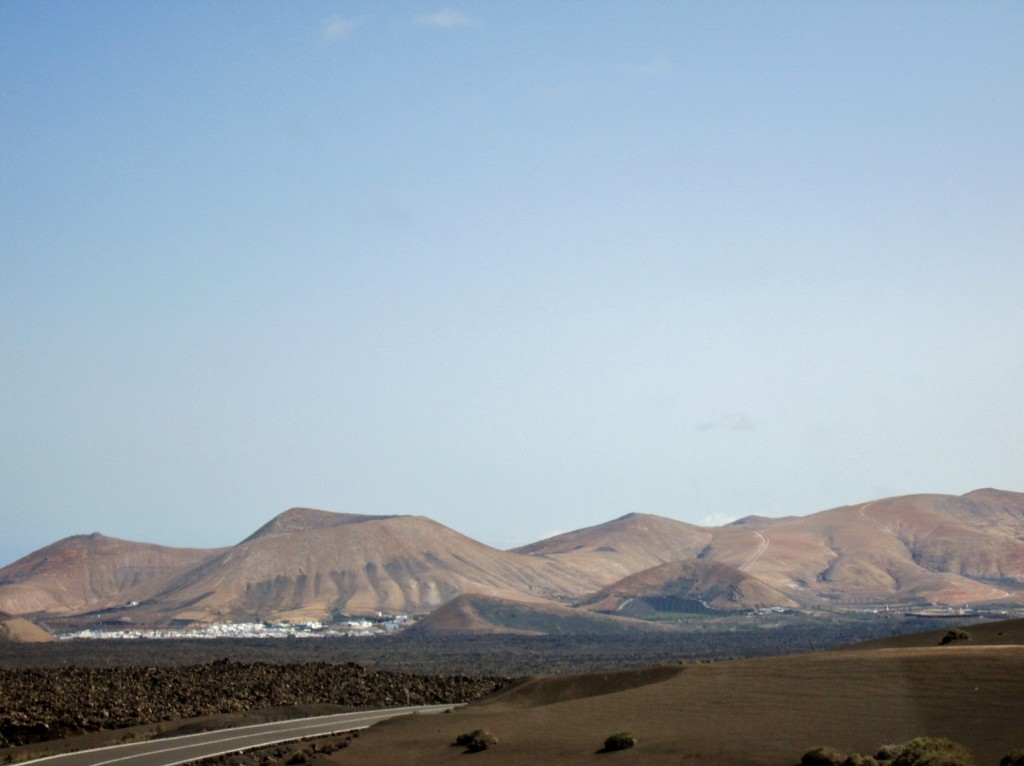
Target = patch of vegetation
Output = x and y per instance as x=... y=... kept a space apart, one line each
x=957 y=634
x=822 y=756
x=933 y=751
x=888 y=752
x=922 y=751
x=1013 y=758
x=856 y=759
x=476 y=740
x=620 y=740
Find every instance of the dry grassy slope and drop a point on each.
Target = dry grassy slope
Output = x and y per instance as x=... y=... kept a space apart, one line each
x=718 y=585
x=301 y=565
x=930 y=547
x=473 y=613
x=87 y=572
x=758 y=712
x=618 y=548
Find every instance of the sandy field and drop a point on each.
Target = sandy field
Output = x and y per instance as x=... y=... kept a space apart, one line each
x=759 y=711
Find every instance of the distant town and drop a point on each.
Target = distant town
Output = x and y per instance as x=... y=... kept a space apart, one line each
x=379 y=625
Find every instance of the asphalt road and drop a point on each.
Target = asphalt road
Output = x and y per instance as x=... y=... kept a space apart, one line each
x=191 y=747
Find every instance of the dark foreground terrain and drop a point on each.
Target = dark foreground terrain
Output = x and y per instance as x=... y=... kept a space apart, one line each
x=761 y=710
x=767 y=711
x=38 y=704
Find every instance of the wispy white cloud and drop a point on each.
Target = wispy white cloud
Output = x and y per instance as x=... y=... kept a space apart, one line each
x=336 y=28
x=447 y=18
x=728 y=421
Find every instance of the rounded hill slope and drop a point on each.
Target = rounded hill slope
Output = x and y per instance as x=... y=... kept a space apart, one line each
x=310 y=565
x=682 y=586
x=88 y=572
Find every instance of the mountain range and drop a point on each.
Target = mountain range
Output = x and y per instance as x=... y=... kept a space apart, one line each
x=312 y=564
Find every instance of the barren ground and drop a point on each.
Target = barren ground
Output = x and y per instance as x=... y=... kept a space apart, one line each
x=766 y=710
x=761 y=711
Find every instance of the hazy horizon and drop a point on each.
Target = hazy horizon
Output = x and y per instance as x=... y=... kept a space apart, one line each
x=521 y=268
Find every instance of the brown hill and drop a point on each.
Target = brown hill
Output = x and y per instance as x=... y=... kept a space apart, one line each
x=927 y=548
x=760 y=712
x=305 y=519
x=309 y=564
x=629 y=544
x=89 y=572
x=20 y=630
x=912 y=549
x=687 y=586
x=473 y=613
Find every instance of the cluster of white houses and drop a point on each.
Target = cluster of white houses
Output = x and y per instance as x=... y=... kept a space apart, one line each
x=382 y=625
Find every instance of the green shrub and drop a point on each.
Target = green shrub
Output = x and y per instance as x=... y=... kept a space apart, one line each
x=620 y=740
x=957 y=634
x=476 y=740
x=933 y=751
x=1013 y=758
x=822 y=756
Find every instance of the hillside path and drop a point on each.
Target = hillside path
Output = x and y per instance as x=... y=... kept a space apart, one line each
x=862 y=510
x=762 y=547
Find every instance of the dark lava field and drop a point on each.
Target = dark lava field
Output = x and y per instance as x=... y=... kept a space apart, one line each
x=38 y=704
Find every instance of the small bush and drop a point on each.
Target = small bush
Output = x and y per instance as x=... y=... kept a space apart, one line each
x=933 y=751
x=1013 y=758
x=957 y=634
x=620 y=740
x=888 y=752
x=822 y=756
x=856 y=759
x=476 y=740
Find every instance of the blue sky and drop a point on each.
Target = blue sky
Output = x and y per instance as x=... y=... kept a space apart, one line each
x=521 y=268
